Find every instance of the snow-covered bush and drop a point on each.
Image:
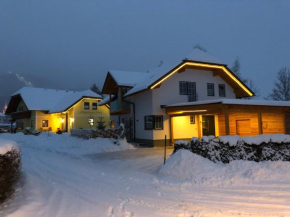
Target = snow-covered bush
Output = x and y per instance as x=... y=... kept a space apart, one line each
x=94 y=133
x=229 y=148
x=9 y=168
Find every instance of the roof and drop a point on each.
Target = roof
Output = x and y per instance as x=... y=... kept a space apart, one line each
x=201 y=56
x=233 y=102
x=125 y=78
x=52 y=100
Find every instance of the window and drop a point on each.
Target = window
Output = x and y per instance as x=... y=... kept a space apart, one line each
x=91 y=122
x=20 y=108
x=95 y=106
x=45 y=123
x=86 y=105
x=182 y=87
x=222 y=90
x=192 y=119
x=154 y=122
x=191 y=87
x=210 y=89
x=19 y=124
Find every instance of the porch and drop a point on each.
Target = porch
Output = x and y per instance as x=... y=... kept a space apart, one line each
x=227 y=117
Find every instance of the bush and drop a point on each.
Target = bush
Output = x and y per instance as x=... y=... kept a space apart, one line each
x=94 y=133
x=227 y=149
x=9 y=172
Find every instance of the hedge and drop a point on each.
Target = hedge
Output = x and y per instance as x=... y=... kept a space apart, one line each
x=216 y=149
x=10 y=164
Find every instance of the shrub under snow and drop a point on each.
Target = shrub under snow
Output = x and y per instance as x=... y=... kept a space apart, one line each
x=9 y=168
x=228 y=148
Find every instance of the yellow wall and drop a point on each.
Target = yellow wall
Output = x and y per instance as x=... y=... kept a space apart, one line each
x=182 y=129
x=21 y=103
x=82 y=116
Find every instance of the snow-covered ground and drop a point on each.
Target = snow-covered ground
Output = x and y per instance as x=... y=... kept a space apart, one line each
x=65 y=176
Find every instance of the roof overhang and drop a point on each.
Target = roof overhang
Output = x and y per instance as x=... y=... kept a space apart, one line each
x=241 y=89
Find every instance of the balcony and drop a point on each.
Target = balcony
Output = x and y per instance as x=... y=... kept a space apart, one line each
x=118 y=107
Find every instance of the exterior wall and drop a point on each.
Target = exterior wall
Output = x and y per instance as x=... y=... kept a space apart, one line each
x=273 y=123
x=82 y=116
x=253 y=129
x=54 y=121
x=183 y=129
x=21 y=103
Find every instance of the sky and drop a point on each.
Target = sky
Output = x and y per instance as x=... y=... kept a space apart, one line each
x=72 y=44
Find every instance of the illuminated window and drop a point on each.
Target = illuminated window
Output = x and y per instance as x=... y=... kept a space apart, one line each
x=45 y=123
x=91 y=122
x=94 y=106
x=210 y=89
x=154 y=122
x=86 y=105
x=192 y=119
x=222 y=90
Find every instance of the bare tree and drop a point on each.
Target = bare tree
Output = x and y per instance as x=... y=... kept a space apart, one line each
x=95 y=89
x=236 y=69
x=281 y=90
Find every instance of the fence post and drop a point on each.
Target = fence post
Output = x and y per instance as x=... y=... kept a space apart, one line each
x=165 y=150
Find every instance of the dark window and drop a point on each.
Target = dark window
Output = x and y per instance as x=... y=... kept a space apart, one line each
x=210 y=89
x=222 y=90
x=192 y=119
x=45 y=123
x=19 y=124
x=86 y=105
x=20 y=108
x=95 y=106
x=154 y=122
x=191 y=87
x=182 y=87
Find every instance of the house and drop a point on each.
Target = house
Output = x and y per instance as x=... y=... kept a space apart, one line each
x=193 y=97
x=48 y=109
x=4 y=119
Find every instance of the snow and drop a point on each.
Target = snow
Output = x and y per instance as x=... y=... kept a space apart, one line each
x=2 y=115
x=65 y=176
x=234 y=102
x=126 y=78
x=52 y=100
x=196 y=169
x=255 y=140
x=198 y=55
x=6 y=145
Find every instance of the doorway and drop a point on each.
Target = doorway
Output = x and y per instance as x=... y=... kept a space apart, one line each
x=208 y=125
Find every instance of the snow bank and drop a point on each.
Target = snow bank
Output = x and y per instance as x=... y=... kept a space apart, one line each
x=6 y=145
x=65 y=144
x=231 y=140
x=198 y=170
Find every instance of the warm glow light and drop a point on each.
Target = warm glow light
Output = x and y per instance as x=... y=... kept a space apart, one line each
x=62 y=120
x=208 y=66
x=72 y=119
x=189 y=111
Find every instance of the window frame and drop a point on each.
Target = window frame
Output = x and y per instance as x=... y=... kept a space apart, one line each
x=192 y=119
x=43 y=125
x=96 y=108
x=213 y=93
x=224 y=86
x=154 y=122
x=85 y=105
x=186 y=84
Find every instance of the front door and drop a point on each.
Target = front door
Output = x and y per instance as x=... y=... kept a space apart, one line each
x=208 y=125
x=128 y=122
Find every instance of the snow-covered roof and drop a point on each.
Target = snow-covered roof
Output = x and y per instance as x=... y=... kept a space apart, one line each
x=106 y=100
x=52 y=100
x=125 y=78
x=233 y=102
x=196 y=55
x=201 y=56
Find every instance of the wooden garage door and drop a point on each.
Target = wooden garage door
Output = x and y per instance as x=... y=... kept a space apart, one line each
x=243 y=127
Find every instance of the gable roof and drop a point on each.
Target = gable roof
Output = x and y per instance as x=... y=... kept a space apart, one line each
x=50 y=100
x=196 y=59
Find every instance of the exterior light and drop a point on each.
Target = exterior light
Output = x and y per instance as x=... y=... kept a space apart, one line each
x=62 y=120
x=72 y=119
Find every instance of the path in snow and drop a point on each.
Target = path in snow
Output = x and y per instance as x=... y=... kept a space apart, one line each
x=126 y=183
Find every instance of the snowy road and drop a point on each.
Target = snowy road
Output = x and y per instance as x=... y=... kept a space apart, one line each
x=127 y=183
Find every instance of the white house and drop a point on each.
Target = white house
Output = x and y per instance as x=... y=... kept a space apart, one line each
x=196 y=96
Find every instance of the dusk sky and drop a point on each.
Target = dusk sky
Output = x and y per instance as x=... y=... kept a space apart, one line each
x=75 y=43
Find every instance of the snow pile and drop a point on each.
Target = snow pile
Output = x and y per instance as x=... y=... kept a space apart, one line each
x=6 y=146
x=200 y=171
x=231 y=140
x=68 y=145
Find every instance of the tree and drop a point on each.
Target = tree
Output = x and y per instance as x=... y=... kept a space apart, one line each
x=281 y=90
x=101 y=123
x=95 y=89
x=236 y=69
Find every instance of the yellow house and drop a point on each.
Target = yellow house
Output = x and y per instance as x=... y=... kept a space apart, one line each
x=49 y=110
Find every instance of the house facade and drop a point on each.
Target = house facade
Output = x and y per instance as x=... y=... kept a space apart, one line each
x=193 y=97
x=50 y=110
